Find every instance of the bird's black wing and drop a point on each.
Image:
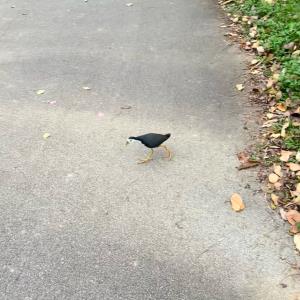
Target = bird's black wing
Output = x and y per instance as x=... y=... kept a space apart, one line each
x=153 y=140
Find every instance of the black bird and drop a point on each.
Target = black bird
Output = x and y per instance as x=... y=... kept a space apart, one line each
x=151 y=140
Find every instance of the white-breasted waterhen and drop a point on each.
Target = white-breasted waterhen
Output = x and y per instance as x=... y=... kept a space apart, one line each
x=151 y=141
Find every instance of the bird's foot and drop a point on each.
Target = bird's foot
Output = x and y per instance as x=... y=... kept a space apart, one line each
x=143 y=161
x=169 y=157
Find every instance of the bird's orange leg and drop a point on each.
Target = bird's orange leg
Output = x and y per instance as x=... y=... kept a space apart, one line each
x=148 y=157
x=167 y=150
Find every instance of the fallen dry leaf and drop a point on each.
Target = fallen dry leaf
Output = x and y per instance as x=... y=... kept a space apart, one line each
x=275 y=135
x=239 y=87
x=285 y=155
x=245 y=162
x=255 y=72
x=40 y=92
x=289 y=46
x=284 y=127
x=270 y=83
x=297 y=241
x=245 y=18
x=260 y=50
x=276 y=76
x=275 y=199
x=282 y=214
x=247 y=165
x=282 y=107
x=52 y=102
x=273 y=178
x=296 y=53
x=277 y=185
x=46 y=135
x=278 y=95
x=87 y=88
x=298 y=156
x=269 y=1
x=129 y=4
x=293 y=217
x=237 y=203
x=277 y=170
x=270 y=116
x=254 y=62
x=297 y=200
x=294 y=167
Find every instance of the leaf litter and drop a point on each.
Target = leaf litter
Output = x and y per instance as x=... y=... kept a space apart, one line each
x=237 y=203
x=279 y=152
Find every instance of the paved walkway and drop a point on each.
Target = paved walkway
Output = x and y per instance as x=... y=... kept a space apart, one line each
x=79 y=219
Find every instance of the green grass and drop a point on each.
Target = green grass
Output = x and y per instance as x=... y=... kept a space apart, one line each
x=277 y=26
x=292 y=139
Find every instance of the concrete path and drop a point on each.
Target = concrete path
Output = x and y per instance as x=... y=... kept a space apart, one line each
x=79 y=219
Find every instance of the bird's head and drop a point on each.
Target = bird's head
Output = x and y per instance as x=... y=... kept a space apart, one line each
x=131 y=140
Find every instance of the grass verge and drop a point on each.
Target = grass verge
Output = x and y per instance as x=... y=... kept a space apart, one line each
x=271 y=30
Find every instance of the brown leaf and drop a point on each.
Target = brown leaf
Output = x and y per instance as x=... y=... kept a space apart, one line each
x=247 y=165
x=281 y=107
x=294 y=167
x=282 y=214
x=297 y=200
x=293 y=217
x=277 y=170
x=278 y=185
x=289 y=46
x=255 y=72
x=237 y=203
x=270 y=116
x=260 y=50
x=275 y=199
x=273 y=178
x=245 y=18
x=254 y=62
x=242 y=156
x=285 y=155
x=275 y=135
x=297 y=241
x=270 y=83
x=278 y=95
x=298 y=156
x=276 y=76
x=284 y=127
x=296 y=53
